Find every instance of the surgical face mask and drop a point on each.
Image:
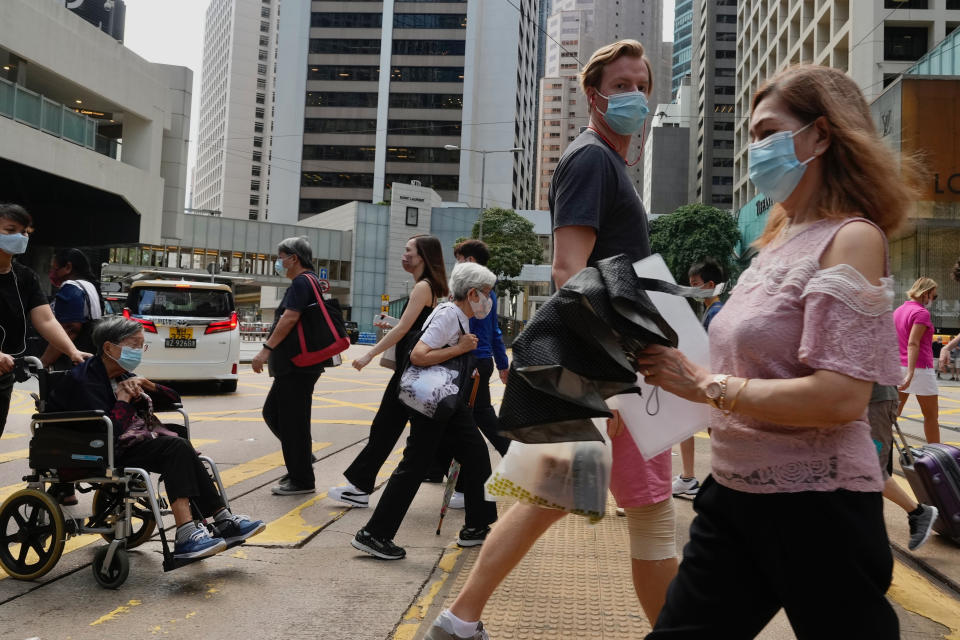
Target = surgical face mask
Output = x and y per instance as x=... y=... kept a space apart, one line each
x=625 y=111
x=481 y=308
x=130 y=358
x=13 y=243
x=278 y=267
x=774 y=168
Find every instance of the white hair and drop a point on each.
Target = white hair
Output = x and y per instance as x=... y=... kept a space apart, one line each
x=470 y=275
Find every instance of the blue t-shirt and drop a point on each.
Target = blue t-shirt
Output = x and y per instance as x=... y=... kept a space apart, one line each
x=708 y=315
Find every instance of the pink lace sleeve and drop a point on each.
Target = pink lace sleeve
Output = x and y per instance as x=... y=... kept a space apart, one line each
x=848 y=326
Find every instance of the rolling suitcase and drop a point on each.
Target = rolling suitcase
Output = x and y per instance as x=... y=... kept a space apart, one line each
x=933 y=472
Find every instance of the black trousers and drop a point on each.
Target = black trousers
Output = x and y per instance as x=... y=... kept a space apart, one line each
x=184 y=475
x=287 y=414
x=824 y=557
x=385 y=431
x=425 y=437
x=6 y=392
x=485 y=417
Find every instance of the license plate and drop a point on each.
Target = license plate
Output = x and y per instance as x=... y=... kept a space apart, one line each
x=181 y=333
x=180 y=343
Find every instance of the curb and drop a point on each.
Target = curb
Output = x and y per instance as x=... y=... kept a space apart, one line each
x=409 y=626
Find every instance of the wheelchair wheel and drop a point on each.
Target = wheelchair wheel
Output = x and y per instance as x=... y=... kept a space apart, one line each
x=118 y=571
x=32 y=534
x=142 y=522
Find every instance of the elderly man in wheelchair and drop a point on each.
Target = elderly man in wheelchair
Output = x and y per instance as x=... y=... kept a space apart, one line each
x=104 y=390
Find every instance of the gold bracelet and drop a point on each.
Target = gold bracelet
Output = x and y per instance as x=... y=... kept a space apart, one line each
x=737 y=396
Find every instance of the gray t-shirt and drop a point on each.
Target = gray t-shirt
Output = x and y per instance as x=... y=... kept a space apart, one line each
x=591 y=188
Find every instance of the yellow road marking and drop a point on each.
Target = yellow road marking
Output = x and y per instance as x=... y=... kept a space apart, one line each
x=291 y=527
x=11 y=436
x=914 y=593
x=417 y=612
x=315 y=421
x=341 y=403
x=116 y=612
x=253 y=468
x=13 y=455
x=368 y=384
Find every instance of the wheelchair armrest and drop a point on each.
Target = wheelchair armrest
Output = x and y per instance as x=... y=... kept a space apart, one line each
x=59 y=416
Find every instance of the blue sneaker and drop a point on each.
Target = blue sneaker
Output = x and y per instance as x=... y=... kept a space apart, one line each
x=200 y=544
x=235 y=529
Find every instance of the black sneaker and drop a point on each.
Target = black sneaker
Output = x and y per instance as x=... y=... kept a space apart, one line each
x=472 y=536
x=921 y=525
x=289 y=488
x=378 y=548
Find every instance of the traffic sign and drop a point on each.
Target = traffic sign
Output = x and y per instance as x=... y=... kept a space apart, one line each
x=323 y=273
x=384 y=298
x=384 y=308
x=324 y=285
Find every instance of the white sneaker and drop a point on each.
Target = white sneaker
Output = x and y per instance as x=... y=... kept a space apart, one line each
x=685 y=486
x=349 y=495
x=456 y=500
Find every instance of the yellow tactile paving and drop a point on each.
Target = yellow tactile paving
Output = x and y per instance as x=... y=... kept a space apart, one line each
x=575 y=583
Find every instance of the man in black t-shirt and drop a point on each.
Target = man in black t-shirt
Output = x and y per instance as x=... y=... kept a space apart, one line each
x=21 y=303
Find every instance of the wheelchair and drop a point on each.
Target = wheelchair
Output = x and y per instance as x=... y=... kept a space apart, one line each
x=77 y=447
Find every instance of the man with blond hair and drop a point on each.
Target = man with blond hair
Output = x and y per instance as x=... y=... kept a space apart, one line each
x=596 y=214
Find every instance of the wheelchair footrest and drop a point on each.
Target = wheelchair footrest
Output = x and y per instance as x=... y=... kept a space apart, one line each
x=171 y=563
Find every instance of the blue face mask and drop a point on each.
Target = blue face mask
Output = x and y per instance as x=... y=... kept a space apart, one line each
x=13 y=243
x=130 y=358
x=278 y=267
x=625 y=111
x=774 y=168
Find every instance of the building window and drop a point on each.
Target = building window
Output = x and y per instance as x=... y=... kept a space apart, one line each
x=424 y=128
x=339 y=125
x=904 y=43
x=346 y=20
x=356 y=47
x=261 y=83
x=428 y=47
x=265 y=27
x=258 y=141
x=255 y=170
x=339 y=72
x=264 y=41
x=255 y=201
x=725 y=53
x=334 y=179
x=723 y=126
x=413 y=216
x=258 y=127
x=907 y=4
x=252 y=214
x=338 y=152
x=953 y=4
x=427 y=74
x=426 y=100
x=722 y=181
x=259 y=112
x=726 y=18
x=261 y=98
x=341 y=99
x=254 y=185
x=437 y=183
x=429 y=21
x=730 y=36
x=258 y=156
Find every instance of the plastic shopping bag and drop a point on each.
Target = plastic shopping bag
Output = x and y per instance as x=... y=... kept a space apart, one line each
x=570 y=476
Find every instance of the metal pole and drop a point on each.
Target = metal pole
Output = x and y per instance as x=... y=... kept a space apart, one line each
x=483 y=179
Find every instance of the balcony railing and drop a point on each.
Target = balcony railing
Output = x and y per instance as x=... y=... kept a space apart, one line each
x=34 y=110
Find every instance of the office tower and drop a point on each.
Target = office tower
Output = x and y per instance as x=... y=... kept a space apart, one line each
x=576 y=29
x=713 y=67
x=872 y=40
x=233 y=165
x=666 y=156
x=682 y=43
x=455 y=74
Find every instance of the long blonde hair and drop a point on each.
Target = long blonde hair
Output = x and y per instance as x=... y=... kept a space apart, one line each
x=861 y=175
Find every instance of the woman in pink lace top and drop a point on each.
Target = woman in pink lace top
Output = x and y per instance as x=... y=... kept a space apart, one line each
x=792 y=516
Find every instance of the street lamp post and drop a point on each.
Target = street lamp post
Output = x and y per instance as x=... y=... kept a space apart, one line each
x=483 y=170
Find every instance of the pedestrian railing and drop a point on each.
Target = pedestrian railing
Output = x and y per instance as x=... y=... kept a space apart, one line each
x=37 y=111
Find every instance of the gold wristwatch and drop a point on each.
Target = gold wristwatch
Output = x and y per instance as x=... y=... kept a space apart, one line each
x=717 y=391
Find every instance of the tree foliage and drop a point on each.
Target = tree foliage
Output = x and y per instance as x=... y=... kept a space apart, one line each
x=512 y=243
x=691 y=233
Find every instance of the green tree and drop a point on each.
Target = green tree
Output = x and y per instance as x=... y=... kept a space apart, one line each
x=691 y=233
x=512 y=244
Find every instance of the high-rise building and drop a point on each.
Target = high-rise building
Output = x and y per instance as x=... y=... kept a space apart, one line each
x=576 y=29
x=666 y=157
x=232 y=171
x=713 y=70
x=872 y=40
x=682 y=43
x=372 y=93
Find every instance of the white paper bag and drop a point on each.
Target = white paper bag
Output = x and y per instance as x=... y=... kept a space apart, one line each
x=674 y=419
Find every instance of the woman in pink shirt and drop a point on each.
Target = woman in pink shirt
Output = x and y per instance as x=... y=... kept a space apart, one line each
x=792 y=515
x=915 y=334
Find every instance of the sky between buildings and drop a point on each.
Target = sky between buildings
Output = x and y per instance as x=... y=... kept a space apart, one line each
x=171 y=32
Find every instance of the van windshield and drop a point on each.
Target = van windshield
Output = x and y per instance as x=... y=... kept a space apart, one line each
x=169 y=301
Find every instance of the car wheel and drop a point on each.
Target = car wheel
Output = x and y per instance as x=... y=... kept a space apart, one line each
x=228 y=386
